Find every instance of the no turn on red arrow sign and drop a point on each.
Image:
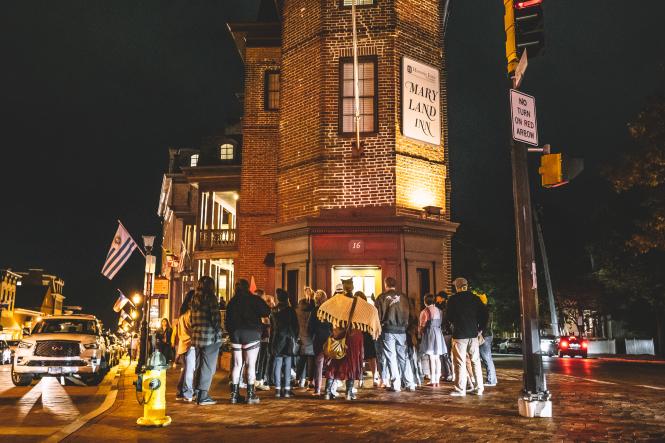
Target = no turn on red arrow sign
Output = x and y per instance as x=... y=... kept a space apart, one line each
x=523 y=117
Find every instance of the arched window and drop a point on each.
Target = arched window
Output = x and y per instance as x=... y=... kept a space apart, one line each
x=226 y=151
x=194 y=160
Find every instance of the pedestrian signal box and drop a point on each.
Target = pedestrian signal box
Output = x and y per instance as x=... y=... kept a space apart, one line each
x=556 y=170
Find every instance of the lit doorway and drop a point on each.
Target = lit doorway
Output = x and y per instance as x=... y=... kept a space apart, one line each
x=365 y=278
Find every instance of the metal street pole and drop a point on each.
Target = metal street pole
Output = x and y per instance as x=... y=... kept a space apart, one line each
x=554 y=319
x=534 y=400
x=147 y=300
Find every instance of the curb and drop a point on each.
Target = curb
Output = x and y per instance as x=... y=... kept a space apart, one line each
x=109 y=400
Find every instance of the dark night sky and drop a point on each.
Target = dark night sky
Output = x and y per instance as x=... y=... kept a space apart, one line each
x=93 y=94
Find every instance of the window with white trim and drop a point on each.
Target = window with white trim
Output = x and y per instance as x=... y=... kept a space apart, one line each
x=271 y=91
x=367 y=85
x=358 y=3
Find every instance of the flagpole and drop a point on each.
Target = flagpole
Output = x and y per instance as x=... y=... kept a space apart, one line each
x=130 y=236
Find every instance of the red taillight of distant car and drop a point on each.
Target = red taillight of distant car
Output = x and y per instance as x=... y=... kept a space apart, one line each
x=563 y=344
x=585 y=344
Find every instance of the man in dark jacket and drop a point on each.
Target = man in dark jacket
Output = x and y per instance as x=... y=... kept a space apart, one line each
x=393 y=308
x=468 y=316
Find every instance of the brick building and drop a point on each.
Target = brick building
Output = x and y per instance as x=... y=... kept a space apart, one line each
x=312 y=209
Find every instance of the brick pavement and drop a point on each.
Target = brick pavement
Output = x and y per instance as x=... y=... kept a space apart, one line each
x=583 y=411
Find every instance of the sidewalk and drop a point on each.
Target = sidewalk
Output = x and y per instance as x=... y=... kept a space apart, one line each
x=582 y=411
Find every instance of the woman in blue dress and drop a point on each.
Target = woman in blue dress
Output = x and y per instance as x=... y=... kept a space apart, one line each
x=432 y=343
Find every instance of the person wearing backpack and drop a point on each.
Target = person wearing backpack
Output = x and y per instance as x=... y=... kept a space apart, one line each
x=284 y=341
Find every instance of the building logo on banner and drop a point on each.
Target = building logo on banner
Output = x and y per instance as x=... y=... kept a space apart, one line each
x=421 y=101
x=523 y=116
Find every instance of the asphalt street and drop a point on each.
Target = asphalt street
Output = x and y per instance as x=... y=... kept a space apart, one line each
x=626 y=374
x=594 y=399
x=38 y=411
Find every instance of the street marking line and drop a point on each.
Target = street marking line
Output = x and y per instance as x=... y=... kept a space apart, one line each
x=660 y=388
x=599 y=381
x=586 y=379
x=81 y=421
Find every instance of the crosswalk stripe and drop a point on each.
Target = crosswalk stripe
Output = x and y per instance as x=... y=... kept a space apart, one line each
x=28 y=430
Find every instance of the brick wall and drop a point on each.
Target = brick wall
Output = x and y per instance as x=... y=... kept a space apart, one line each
x=257 y=203
x=316 y=169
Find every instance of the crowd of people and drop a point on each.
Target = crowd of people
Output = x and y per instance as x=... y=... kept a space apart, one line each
x=340 y=338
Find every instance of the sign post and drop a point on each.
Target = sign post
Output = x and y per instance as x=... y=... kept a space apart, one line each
x=523 y=117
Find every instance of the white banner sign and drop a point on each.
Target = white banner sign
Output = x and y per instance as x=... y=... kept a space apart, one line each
x=523 y=116
x=421 y=101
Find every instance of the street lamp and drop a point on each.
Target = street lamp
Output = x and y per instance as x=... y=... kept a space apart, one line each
x=148 y=242
x=137 y=299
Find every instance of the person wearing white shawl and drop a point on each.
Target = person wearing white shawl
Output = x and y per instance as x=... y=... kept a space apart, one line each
x=336 y=311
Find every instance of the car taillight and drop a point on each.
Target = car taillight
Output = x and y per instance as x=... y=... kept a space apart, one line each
x=585 y=344
x=564 y=344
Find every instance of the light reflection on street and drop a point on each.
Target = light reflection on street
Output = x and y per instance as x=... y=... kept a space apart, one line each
x=55 y=400
x=27 y=402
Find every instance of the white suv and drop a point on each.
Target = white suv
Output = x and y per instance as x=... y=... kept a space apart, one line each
x=64 y=345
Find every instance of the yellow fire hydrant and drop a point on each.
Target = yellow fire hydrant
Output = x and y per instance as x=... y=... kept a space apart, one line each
x=151 y=392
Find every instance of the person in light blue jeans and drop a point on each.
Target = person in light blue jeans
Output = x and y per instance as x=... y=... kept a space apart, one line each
x=399 y=367
x=486 y=360
x=394 y=309
x=185 y=387
x=181 y=341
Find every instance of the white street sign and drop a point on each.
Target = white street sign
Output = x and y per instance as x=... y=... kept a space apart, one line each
x=523 y=117
x=521 y=68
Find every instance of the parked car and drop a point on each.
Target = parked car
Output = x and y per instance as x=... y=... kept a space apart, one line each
x=13 y=344
x=572 y=346
x=64 y=345
x=496 y=343
x=117 y=350
x=512 y=345
x=5 y=352
x=548 y=345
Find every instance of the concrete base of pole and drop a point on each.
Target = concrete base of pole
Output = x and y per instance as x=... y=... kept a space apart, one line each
x=534 y=408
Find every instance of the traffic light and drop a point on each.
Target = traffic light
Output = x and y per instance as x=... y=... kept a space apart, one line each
x=556 y=170
x=529 y=27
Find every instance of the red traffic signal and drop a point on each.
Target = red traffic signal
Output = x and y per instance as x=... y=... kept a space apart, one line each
x=527 y=4
x=529 y=27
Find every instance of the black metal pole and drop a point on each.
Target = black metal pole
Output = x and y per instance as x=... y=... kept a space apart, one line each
x=534 y=379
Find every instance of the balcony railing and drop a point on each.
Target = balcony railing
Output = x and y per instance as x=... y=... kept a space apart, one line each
x=217 y=239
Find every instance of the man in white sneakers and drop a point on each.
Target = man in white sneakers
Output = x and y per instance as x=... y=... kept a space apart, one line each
x=468 y=316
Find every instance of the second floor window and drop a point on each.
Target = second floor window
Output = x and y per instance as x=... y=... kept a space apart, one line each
x=226 y=151
x=272 y=91
x=367 y=84
x=194 y=160
x=347 y=3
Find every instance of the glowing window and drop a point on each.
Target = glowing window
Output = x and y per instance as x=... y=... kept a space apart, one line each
x=272 y=91
x=367 y=85
x=226 y=151
x=359 y=2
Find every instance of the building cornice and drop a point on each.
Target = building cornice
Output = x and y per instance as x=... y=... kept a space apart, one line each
x=363 y=225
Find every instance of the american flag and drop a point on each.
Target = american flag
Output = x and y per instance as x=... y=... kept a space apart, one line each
x=122 y=247
x=120 y=302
